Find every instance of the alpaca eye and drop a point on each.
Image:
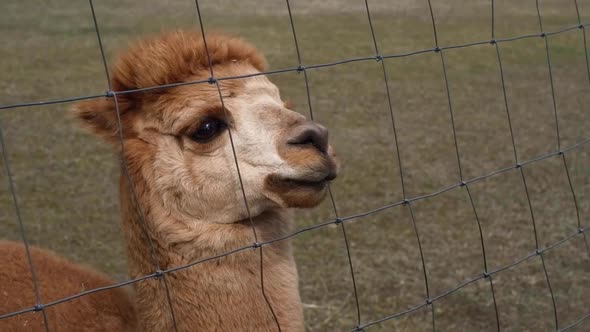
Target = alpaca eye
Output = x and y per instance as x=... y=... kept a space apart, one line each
x=207 y=130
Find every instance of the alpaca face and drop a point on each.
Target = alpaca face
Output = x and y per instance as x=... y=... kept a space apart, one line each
x=177 y=140
x=284 y=160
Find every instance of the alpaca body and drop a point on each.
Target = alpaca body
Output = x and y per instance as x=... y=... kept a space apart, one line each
x=110 y=310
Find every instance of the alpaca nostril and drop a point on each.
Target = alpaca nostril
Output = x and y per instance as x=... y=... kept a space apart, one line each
x=312 y=135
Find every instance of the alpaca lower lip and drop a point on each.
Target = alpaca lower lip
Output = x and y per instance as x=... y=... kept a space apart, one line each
x=313 y=182
x=308 y=183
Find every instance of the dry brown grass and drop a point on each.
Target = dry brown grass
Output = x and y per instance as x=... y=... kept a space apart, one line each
x=66 y=182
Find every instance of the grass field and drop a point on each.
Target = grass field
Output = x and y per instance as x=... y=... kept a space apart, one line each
x=66 y=181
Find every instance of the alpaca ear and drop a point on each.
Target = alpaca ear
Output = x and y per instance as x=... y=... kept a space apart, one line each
x=98 y=116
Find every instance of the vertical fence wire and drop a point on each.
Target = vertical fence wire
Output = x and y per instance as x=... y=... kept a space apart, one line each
x=213 y=80
x=438 y=50
x=125 y=166
x=516 y=159
x=506 y=108
x=457 y=151
x=558 y=136
x=550 y=71
x=379 y=58
x=428 y=301
x=34 y=278
x=537 y=248
x=550 y=290
x=503 y=83
x=530 y=205
x=575 y=200
x=484 y=256
x=505 y=99
x=584 y=44
x=301 y=68
x=583 y=28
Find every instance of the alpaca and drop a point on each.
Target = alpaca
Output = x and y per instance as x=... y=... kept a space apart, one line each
x=188 y=202
x=111 y=310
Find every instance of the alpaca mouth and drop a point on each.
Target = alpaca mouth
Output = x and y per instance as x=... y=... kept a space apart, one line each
x=288 y=184
x=299 y=192
x=319 y=184
x=304 y=183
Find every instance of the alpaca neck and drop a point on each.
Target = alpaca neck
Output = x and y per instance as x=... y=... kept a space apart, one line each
x=222 y=294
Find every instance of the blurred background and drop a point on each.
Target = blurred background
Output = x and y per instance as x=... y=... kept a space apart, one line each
x=66 y=180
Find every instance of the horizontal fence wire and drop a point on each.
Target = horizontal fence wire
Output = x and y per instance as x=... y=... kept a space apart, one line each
x=578 y=232
x=299 y=68
x=406 y=203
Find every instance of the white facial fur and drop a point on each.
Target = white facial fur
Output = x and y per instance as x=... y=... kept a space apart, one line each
x=205 y=186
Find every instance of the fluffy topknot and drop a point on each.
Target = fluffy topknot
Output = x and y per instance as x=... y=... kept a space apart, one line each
x=175 y=56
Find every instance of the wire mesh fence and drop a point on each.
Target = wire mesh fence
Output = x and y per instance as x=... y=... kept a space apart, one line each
x=522 y=166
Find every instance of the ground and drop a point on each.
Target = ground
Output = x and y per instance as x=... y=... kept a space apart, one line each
x=66 y=180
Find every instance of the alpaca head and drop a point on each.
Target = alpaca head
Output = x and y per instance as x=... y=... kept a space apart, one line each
x=177 y=140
